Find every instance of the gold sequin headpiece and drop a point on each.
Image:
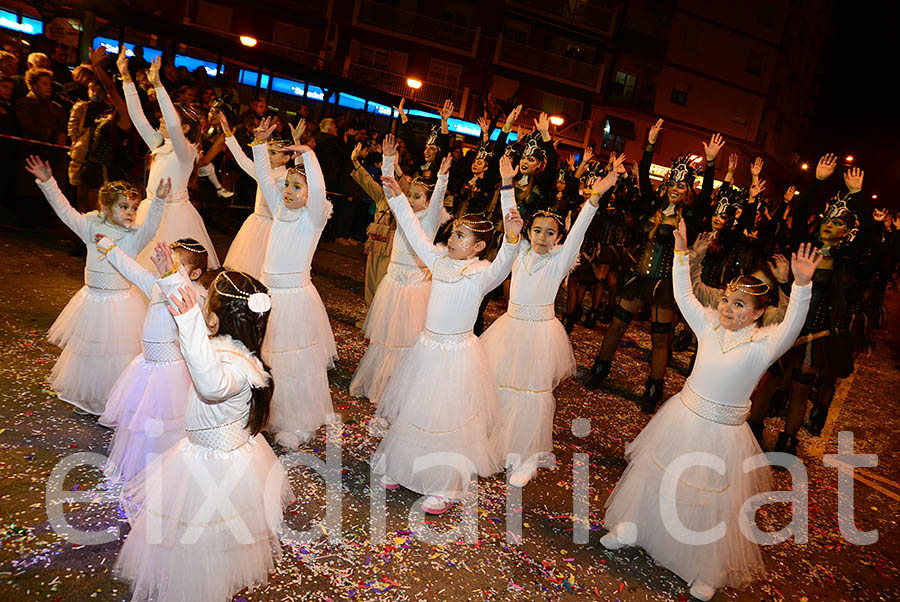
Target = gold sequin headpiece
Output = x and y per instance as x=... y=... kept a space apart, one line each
x=550 y=214
x=476 y=223
x=193 y=247
x=426 y=184
x=755 y=289
x=258 y=301
x=122 y=187
x=297 y=169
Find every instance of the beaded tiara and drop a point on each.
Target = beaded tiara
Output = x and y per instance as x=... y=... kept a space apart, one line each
x=756 y=289
x=193 y=247
x=475 y=223
x=258 y=301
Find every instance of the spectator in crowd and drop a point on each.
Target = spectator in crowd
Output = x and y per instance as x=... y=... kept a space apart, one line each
x=10 y=127
x=258 y=106
x=137 y=62
x=334 y=157
x=9 y=64
x=59 y=64
x=39 y=116
x=82 y=77
x=8 y=123
x=35 y=60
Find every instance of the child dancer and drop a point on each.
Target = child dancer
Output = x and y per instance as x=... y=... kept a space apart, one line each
x=707 y=417
x=528 y=347
x=300 y=345
x=442 y=394
x=184 y=543
x=248 y=249
x=173 y=157
x=99 y=330
x=147 y=402
x=397 y=315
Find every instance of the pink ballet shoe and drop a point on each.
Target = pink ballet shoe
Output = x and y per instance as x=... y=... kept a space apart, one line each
x=435 y=504
x=389 y=483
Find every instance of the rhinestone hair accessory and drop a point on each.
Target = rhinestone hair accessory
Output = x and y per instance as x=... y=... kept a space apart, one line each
x=476 y=223
x=122 y=187
x=682 y=170
x=432 y=136
x=550 y=214
x=840 y=209
x=258 y=301
x=193 y=247
x=729 y=199
x=533 y=148
x=484 y=152
x=755 y=289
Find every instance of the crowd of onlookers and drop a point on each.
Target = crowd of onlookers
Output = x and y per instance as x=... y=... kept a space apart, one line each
x=73 y=115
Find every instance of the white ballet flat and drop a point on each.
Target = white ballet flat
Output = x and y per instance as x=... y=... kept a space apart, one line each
x=701 y=591
x=389 y=483
x=611 y=542
x=287 y=439
x=435 y=504
x=521 y=476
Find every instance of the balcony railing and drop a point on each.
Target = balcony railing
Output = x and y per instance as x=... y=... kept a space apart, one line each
x=588 y=14
x=548 y=64
x=409 y=24
x=395 y=83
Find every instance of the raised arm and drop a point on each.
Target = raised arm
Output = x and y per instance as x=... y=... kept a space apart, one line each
x=432 y=218
x=408 y=223
x=75 y=221
x=693 y=312
x=243 y=161
x=502 y=263
x=98 y=56
x=804 y=263
x=315 y=181
x=133 y=102
x=147 y=230
x=125 y=265
x=271 y=191
x=184 y=150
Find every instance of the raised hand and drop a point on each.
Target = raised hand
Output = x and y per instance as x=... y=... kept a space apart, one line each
x=507 y=171
x=511 y=118
x=164 y=188
x=401 y=112
x=391 y=185
x=879 y=214
x=542 y=124
x=388 y=146
x=757 y=189
x=163 y=258
x=570 y=161
x=733 y=163
x=178 y=306
x=826 y=166
x=612 y=158
x=40 y=169
x=98 y=55
x=781 y=268
x=789 y=193
x=853 y=179
x=681 y=237
x=122 y=65
x=804 y=263
x=485 y=126
x=354 y=154
x=588 y=154
x=447 y=110
x=701 y=244
x=265 y=129
x=716 y=142
x=756 y=167
x=895 y=221
x=297 y=131
x=153 y=72
x=512 y=222
x=653 y=134
x=223 y=122
x=445 y=164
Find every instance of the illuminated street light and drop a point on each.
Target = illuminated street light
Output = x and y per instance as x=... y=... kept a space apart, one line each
x=413 y=83
x=849 y=158
x=874 y=196
x=248 y=41
x=805 y=166
x=557 y=120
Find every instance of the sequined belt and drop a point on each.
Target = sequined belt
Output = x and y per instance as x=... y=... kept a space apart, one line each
x=224 y=437
x=165 y=351
x=438 y=339
x=286 y=279
x=531 y=313
x=406 y=259
x=177 y=198
x=105 y=281
x=712 y=411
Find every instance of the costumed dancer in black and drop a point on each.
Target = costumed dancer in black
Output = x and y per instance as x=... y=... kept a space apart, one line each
x=650 y=282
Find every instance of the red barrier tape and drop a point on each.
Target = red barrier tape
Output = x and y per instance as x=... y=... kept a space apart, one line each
x=35 y=141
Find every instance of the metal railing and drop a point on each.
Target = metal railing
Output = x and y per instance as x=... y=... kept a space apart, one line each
x=417 y=26
x=395 y=83
x=549 y=64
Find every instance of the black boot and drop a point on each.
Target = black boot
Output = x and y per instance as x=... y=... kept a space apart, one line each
x=683 y=340
x=590 y=321
x=818 y=415
x=599 y=372
x=758 y=429
x=572 y=319
x=778 y=403
x=653 y=393
x=608 y=313
x=786 y=444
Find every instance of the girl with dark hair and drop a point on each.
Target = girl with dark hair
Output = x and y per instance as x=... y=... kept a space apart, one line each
x=176 y=550
x=99 y=330
x=441 y=399
x=174 y=152
x=707 y=420
x=147 y=403
x=528 y=347
x=649 y=283
x=397 y=314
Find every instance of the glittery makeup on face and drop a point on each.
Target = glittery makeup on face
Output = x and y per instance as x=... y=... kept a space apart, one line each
x=418 y=197
x=736 y=310
x=296 y=192
x=123 y=212
x=461 y=244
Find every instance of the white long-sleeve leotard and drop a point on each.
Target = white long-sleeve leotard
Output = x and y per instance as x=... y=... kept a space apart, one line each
x=246 y=163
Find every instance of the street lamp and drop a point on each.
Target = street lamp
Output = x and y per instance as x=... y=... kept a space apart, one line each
x=805 y=166
x=874 y=196
x=557 y=120
x=849 y=158
x=248 y=41
x=413 y=83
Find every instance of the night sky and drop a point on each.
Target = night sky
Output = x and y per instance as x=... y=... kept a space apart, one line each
x=856 y=113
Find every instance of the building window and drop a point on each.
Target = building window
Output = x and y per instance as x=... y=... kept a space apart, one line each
x=444 y=74
x=754 y=63
x=625 y=84
x=680 y=94
x=554 y=105
x=290 y=35
x=371 y=56
x=611 y=142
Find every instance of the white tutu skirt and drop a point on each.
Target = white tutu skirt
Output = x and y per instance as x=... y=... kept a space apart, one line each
x=147 y=406
x=177 y=552
x=100 y=333
x=179 y=220
x=395 y=319
x=248 y=249
x=445 y=407
x=528 y=359
x=293 y=349
x=703 y=497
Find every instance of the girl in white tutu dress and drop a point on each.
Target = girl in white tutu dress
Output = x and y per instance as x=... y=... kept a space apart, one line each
x=442 y=396
x=528 y=347
x=173 y=157
x=248 y=249
x=397 y=314
x=708 y=417
x=99 y=330
x=147 y=403
x=206 y=516
x=299 y=345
